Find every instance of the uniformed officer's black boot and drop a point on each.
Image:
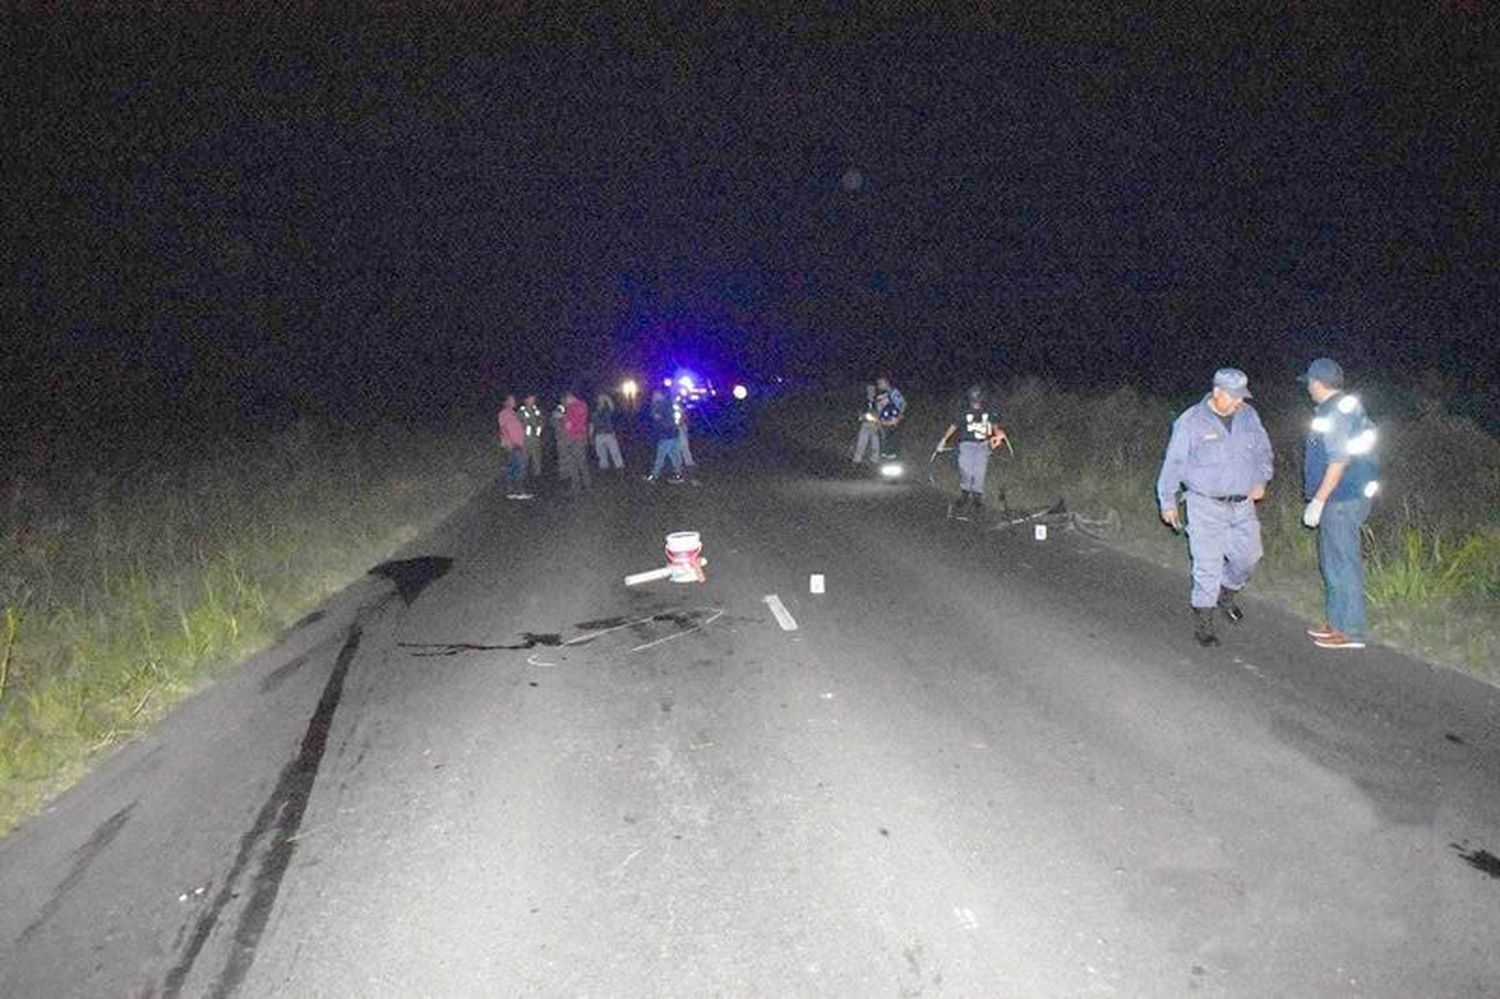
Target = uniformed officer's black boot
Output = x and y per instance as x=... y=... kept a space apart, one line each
x=1228 y=605
x=1203 y=626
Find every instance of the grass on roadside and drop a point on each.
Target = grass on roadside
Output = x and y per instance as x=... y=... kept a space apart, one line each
x=1432 y=545
x=123 y=593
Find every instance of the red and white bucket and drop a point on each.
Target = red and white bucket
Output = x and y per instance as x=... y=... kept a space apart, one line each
x=684 y=561
x=685 y=556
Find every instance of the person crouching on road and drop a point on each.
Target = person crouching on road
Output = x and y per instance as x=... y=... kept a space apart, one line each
x=868 y=440
x=1220 y=454
x=979 y=432
x=572 y=443
x=1339 y=482
x=606 y=444
x=665 y=418
x=530 y=412
x=513 y=440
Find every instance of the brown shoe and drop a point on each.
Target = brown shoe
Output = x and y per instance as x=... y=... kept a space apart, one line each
x=1321 y=631
x=1338 y=640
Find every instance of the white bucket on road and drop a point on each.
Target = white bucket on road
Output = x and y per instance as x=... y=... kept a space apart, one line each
x=685 y=556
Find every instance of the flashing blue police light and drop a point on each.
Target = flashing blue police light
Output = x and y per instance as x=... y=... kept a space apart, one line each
x=741 y=393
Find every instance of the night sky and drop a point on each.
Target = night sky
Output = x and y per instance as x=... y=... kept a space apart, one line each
x=240 y=218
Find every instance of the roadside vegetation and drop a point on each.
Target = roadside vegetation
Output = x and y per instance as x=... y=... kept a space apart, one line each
x=125 y=591
x=1432 y=544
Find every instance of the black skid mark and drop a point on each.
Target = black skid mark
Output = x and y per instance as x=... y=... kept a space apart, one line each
x=279 y=817
x=82 y=858
x=529 y=640
x=592 y=632
x=413 y=575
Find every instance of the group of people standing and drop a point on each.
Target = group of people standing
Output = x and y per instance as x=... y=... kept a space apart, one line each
x=572 y=425
x=1219 y=462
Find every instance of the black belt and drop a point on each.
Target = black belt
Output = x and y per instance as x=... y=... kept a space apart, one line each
x=1223 y=499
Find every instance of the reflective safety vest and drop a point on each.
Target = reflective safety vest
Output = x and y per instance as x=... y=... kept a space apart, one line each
x=1341 y=430
x=978 y=425
x=531 y=419
x=889 y=405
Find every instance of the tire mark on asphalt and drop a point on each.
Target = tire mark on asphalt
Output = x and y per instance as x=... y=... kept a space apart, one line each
x=280 y=816
x=83 y=856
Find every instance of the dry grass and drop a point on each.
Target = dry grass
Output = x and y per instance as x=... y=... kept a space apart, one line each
x=123 y=593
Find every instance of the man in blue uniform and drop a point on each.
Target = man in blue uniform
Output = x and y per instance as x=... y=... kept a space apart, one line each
x=1338 y=481
x=979 y=432
x=1220 y=454
x=890 y=410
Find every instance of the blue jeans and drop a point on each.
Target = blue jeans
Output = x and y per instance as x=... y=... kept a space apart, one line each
x=667 y=449
x=1343 y=568
x=1224 y=541
x=515 y=465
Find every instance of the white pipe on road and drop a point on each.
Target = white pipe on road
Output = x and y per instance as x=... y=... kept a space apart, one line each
x=649 y=577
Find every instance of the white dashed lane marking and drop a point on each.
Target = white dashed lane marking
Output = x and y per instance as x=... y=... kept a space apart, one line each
x=783 y=616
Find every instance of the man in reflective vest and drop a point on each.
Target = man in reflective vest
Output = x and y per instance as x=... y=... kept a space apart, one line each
x=530 y=413
x=979 y=432
x=1339 y=481
x=1220 y=454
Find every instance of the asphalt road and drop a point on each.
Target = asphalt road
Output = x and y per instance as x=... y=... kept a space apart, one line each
x=981 y=765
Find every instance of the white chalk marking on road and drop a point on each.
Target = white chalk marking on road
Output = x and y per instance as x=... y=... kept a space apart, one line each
x=531 y=661
x=783 y=616
x=591 y=635
x=967 y=919
x=717 y=613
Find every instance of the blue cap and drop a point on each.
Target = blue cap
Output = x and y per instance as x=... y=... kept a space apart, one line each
x=1234 y=381
x=1327 y=371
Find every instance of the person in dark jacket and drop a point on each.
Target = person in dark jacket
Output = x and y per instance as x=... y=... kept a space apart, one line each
x=606 y=443
x=666 y=418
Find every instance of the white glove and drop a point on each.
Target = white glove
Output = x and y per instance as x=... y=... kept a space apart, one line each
x=1313 y=513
